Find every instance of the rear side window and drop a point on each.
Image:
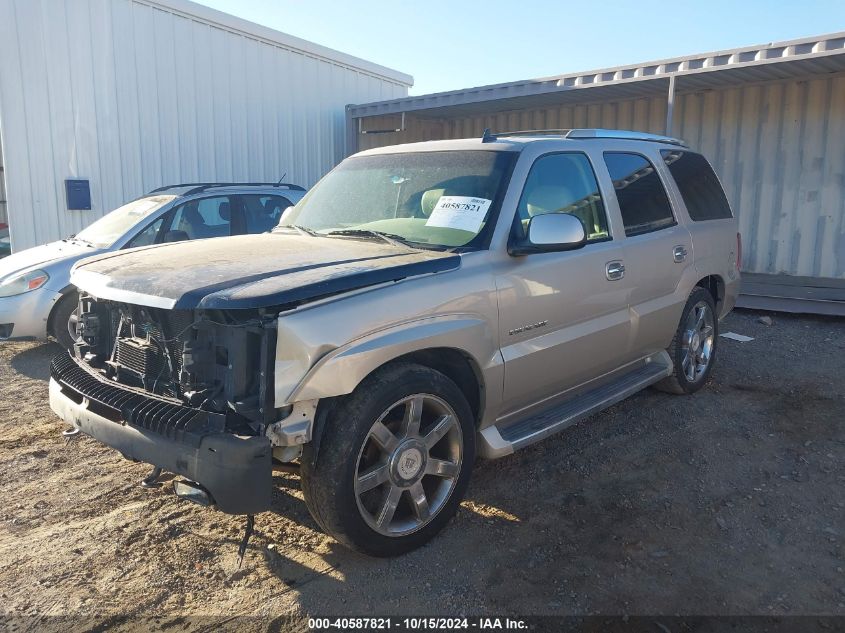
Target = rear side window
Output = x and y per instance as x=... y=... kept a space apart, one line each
x=262 y=212
x=642 y=198
x=201 y=219
x=700 y=188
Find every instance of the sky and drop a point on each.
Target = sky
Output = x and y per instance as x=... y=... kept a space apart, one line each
x=449 y=45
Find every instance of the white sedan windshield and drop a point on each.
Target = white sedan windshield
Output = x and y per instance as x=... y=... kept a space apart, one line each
x=444 y=199
x=111 y=227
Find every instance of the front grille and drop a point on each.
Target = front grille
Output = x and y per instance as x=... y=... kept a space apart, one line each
x=119 y=403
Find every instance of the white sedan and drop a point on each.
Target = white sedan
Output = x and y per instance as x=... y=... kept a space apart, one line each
x=37 y=299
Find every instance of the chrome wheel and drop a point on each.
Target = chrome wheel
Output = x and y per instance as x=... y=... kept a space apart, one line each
x=408 y=465
x=698 y=339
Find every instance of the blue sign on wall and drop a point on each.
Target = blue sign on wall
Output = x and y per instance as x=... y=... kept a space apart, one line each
x=78 y=195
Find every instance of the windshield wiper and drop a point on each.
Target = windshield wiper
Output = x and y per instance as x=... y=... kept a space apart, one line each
x=390 y=238
x=84 y=242
x=303 y=230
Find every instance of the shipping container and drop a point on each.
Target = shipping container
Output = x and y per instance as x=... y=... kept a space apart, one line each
x=770 y=118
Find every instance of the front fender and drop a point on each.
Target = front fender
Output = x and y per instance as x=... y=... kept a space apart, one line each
x=340 y=371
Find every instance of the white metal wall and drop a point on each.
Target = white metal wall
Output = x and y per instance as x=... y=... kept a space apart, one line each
x=779 y=148
x=3 y=217
x=135 y=94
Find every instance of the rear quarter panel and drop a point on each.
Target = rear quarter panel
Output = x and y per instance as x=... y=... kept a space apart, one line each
x=714 y=246
x=714 y=243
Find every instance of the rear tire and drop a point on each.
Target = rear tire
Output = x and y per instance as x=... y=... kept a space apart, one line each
x=693 y=349
x=63 y=320
x=394 y=461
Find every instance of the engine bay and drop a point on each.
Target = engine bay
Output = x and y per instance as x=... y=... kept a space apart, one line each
x=215 y=360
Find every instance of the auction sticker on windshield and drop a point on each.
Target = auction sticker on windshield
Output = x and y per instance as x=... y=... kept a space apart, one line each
x=459 y=212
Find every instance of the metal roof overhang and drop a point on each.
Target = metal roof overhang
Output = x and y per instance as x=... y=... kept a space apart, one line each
x=788 y=60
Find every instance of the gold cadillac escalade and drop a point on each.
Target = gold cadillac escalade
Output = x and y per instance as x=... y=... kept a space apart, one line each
x=422 y=305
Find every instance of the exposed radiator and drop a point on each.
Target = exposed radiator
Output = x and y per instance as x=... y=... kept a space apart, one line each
x=143 y=358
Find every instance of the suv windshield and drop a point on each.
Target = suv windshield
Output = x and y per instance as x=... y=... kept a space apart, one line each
x=444 y=199
x=112 y=226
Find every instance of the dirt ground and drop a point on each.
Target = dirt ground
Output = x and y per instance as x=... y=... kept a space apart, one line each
x=727 y=502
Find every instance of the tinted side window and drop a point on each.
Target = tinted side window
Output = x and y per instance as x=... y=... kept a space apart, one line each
x=199 y=219
x=148 y=236
x=563 y=183
x=642 y=198
x=698 y=184
x=262 y=212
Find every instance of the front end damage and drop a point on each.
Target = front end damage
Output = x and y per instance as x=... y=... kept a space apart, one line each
x=189 y=391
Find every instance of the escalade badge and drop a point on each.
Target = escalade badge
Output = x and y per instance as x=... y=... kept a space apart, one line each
x=525 y=328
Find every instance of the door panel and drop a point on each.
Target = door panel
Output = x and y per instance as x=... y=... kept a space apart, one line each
x=562 y=322
x=654 y=278
x=563 y=316
x=657 y=250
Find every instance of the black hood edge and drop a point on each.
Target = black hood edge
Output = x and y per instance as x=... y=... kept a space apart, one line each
x=222 y=299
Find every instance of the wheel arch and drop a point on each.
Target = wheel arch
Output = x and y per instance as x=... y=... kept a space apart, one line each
x=715 y=285
x=66 y=292
x=463 y=347
x=454 y=363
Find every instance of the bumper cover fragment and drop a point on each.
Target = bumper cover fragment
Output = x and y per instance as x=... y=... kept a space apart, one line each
x=236 y=470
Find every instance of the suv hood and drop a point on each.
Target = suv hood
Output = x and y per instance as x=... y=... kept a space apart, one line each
x=251 y=271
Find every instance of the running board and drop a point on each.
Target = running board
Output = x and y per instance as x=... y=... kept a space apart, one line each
x=568 y=412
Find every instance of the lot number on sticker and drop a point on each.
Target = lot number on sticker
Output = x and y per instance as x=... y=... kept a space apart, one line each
x=459 y=212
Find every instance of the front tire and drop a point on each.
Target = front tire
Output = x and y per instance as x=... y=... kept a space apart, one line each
x=693 y=349
x=63 y=320
x=394 y=461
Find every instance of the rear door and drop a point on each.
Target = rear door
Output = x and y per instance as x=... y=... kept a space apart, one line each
x=712 y=224
x=658 y=250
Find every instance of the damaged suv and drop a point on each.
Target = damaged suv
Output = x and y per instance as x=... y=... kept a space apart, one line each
x=421 y=305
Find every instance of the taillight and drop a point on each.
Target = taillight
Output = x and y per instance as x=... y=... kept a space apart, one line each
x=739 y=251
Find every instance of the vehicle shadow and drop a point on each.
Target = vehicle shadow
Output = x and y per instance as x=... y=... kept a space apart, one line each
x=328 y=577
x=34 y=362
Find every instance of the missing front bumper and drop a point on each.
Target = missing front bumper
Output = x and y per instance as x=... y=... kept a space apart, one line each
x=235 y=470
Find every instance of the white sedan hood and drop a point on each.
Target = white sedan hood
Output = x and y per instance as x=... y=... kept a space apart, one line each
x=42 y=255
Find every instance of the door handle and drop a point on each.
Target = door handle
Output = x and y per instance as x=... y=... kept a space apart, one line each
x=614 y=270
x=679 y=254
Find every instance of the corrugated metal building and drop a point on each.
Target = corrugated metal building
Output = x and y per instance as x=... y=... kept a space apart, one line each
x=135 y=94
x=771 y=118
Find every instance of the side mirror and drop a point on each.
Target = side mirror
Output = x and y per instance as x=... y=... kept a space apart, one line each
x=551 y=232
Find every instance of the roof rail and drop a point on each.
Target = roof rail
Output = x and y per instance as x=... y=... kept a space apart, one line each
x=585 y=133
x=197 y=187
x=625 y=134
x=561 y=132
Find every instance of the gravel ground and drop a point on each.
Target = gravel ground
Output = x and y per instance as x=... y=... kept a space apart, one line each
x=727 y=502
